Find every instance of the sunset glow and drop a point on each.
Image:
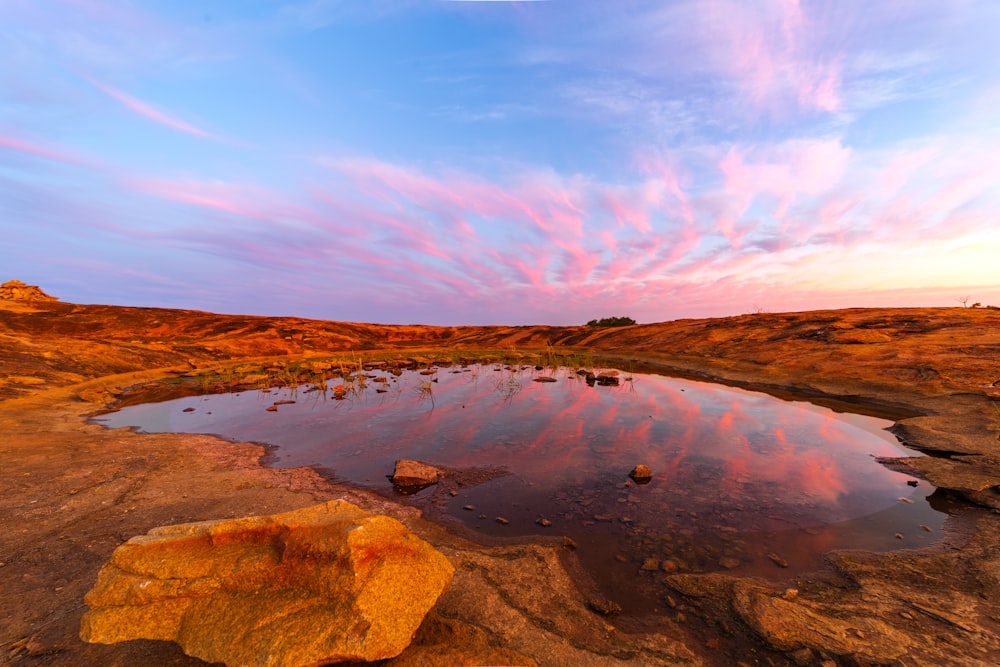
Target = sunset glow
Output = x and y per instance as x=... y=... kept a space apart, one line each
x=502 y=162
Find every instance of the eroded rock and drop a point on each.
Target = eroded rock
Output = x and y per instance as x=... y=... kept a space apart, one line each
x=328 y=583
x=15 y=290
x=789 y=625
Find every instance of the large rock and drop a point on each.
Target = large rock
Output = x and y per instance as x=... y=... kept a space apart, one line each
x=15 y=290
x=324 y=584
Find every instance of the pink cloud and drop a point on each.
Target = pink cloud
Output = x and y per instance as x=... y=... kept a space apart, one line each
x=771 y=50
x=47 y=152
x=150 y=112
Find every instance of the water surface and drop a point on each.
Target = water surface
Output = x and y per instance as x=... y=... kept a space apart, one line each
x=742 y=481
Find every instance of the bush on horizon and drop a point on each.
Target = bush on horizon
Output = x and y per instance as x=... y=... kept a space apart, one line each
x=611 y=322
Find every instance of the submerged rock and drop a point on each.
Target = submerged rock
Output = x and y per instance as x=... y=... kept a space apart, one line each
x=329 y=583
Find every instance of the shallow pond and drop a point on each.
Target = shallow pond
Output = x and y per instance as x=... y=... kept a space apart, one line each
x=742 y=481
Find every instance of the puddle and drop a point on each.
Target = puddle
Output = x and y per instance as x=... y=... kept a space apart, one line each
x=742 y=481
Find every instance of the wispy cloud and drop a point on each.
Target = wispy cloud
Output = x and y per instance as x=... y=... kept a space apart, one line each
x=150 y=112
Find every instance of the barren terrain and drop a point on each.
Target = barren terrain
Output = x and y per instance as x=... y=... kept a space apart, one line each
x=73 y=491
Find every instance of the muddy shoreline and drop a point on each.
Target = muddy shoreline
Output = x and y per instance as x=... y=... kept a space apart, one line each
x=74 y=491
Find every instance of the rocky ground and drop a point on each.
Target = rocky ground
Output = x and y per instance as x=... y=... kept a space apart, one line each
x=73 y=491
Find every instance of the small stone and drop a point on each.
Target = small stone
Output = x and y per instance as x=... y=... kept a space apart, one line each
x=905 y=500
x=543 y=522
x=272 y=408
x=650 y=564
x=912 y=482
x=899 y=536
x=452 y=493
x=669 y=566
x=641 y=473
x=502 y=521
x=545 y=378
x=471 y=508
x=414 y=473
x=804 y=656
x=778 y=560
x=284 y=401
x=729 y=563
x=603 y=606
x=188 y=410
x=790 y=593
x=926 y=528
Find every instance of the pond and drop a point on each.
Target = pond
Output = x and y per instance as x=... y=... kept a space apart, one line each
x=741 y=481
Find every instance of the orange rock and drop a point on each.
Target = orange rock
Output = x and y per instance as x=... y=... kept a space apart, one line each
x=328 y=583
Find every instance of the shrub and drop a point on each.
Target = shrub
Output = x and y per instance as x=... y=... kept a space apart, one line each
x=611 y=322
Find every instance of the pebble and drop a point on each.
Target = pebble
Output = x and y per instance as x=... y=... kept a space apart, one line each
x=778 y=560
x=453 y=493
x=272 y=408
x=790 y=593
x=188 y=410
x=927 y=528
x=650 y=564
x=502 y=521
x=543 y=522
x=905 y=500
x=899 y=536
x=469 y=507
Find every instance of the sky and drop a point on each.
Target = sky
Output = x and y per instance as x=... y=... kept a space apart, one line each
x=501 y=162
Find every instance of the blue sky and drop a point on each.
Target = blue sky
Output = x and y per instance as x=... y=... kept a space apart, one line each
x=501 y=162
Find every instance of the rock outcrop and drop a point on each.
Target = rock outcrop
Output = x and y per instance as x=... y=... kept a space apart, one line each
x=15 y=290
x=324 y=584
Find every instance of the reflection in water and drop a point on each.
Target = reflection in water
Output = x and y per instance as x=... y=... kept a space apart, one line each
x=741 y=481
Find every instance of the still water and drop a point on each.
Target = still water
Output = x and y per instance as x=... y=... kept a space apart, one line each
x=742 y=481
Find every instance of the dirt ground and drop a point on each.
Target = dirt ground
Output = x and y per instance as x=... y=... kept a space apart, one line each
x=73 y=491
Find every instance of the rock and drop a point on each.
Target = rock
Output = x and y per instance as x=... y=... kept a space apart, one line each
x=650 y=565
x=641 y=473
x=414 y=473
x=328 y=583
x=790 y=625
x=603 y=606
x=545 y=378
x=777 y=560
x=15 y=290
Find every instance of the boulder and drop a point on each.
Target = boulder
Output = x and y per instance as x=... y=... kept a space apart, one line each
x=15 y=290
x=414 y=473
x=328 y=583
